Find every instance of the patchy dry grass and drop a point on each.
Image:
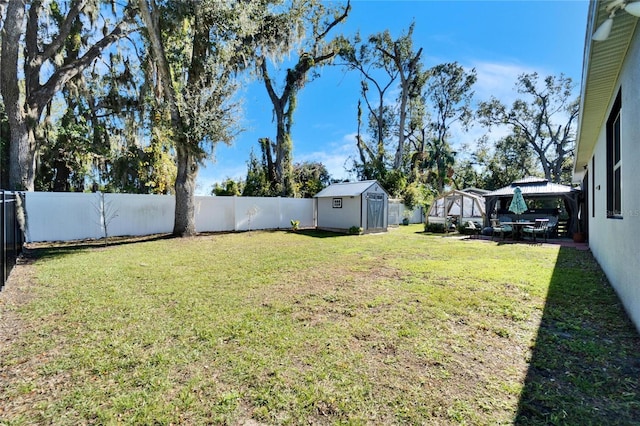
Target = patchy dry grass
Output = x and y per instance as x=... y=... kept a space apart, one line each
x=309 y=327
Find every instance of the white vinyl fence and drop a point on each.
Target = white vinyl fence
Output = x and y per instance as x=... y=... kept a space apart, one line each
x=57 y=216
x=65 y=216
x=397 y=212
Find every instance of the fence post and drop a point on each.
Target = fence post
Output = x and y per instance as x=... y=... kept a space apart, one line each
x=3 y=236
x=9 y=250
x=19 y=236
x=14 y=225
x=235 y=217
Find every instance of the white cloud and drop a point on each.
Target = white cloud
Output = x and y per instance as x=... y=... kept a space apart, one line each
x=209 y=176
x=497 y=80
x=335 y=157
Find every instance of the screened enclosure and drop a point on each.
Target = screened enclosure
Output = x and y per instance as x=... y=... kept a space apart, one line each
x=457 y=207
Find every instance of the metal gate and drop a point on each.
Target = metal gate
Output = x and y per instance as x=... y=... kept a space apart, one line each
x=10 y=233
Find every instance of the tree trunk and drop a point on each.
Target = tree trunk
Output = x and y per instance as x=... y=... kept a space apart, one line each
x=184 y=224
x=405 y=81
x=187 y=158
x=265 y=146
x=22 y=148
x=279 y=148
x=397 y=161
x=283 y=156
x=284 y=105
x=22 y=140
x=282 y=162
x=61 y=175
x=25 y=107
x=380 y=124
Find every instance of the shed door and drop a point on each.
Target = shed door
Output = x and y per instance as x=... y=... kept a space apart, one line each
x=375 y=211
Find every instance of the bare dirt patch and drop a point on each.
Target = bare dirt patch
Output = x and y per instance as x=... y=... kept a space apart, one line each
x=15 y=293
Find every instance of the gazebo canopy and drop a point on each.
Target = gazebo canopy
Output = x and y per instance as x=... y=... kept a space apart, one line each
x=533 y=187
x=537 y=188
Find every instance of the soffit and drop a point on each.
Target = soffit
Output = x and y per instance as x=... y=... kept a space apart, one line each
x=602 y=64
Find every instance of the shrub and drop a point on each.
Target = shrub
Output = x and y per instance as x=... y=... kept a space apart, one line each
x=355 y=230
x=412 y=196
x=295 y=224
x=434 y=227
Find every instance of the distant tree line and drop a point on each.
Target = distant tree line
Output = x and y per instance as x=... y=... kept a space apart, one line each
x=134 y=96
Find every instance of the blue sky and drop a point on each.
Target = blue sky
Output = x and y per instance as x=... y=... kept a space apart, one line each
x=500 y=39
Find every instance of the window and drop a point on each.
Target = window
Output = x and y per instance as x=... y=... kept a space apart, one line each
x=337 y=203
x=614 y=162
x=593 y=186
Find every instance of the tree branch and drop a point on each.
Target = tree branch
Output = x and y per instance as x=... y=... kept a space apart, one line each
x=31 y=66
x=335 y=22
x=267 y=82
x=65 y=29
x=40 y=96
x=3 y=9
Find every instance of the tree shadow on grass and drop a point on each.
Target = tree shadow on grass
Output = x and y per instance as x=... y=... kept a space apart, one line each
x=452 y=234
x=585 y=365
x=319 y=233
x=48 y=250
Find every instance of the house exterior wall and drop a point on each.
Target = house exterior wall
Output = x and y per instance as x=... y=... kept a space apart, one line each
x=340 y=218
x=616 y=242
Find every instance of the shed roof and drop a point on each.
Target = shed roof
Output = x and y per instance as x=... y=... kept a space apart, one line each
x=533 y=186
x=347 y=189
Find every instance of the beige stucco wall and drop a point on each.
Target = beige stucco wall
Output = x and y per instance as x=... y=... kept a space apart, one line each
x=616 y=242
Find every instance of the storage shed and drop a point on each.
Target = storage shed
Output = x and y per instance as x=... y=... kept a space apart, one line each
x=341 y=206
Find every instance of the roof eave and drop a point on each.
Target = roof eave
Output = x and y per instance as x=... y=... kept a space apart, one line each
x=602 y=64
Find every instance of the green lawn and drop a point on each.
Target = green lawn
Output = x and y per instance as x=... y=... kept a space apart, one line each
x=313 y=328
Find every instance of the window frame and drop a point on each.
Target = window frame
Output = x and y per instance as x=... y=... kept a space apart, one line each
x=614 y=160
x=593 y=186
